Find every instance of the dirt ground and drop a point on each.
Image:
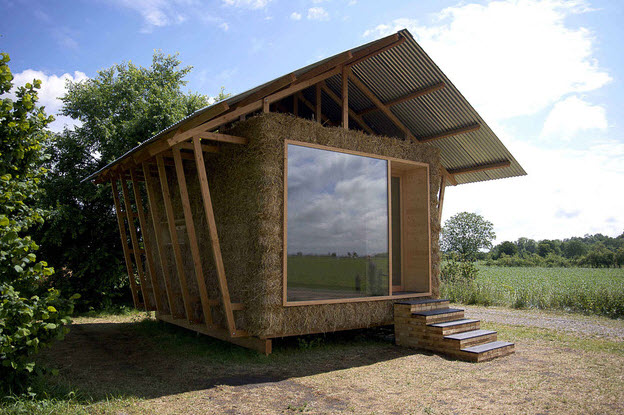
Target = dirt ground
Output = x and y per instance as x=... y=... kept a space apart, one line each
x=162 y=369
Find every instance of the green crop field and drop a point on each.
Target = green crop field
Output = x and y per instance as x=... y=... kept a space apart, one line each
x=586 y=290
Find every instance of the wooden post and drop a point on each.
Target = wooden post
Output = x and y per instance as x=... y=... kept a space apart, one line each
x=135 y=243
x=214 y=238
x=441 y=198
x=266 y=106
x=345 y=97
x=318 y=112
x=149 y=251
x=124 y=245
x=164 y=264
x=177 y=253
x=192 y=237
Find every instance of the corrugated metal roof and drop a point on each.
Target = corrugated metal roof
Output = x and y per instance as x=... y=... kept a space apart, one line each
x=393 y=73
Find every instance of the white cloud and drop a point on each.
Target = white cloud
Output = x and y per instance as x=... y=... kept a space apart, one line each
x=512 y=57
x=247 y=4
x=571 y=116
x=295 y=16
x=224 y=26
x=52 y=88
x=317 y=13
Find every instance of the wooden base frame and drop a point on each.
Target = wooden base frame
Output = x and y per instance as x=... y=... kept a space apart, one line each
x=263 y=346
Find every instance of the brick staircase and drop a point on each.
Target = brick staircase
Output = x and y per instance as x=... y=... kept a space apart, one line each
x=432 y=325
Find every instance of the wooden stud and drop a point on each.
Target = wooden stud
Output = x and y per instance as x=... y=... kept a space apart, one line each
x=352 y=113
x=441 y=198
x=155 y=214
x=324 y=119
x=408 y=97
x=135 y=244
x=177 y=253
x=266 y=105
x=124 y=245
x=318 y=103
x=149 y=251
x=450 y=133
x=481 y=167
x=214 y=238
x=345 y=97
x=192 y=237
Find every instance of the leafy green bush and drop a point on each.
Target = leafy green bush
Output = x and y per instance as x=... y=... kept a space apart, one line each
x=454 y=271
x=31 y=315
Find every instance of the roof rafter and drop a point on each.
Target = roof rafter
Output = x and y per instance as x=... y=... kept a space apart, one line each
x=412 y=95
x=352 y=113
x=450 y=133
x=481 y=167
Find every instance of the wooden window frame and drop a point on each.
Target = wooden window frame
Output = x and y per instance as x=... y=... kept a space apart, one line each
x=390 y=160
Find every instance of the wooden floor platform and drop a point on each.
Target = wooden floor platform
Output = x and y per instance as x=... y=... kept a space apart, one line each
x=432 y=325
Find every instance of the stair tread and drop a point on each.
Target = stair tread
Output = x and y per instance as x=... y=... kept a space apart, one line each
x=482 y=348
x=469 y=334
x=420 y=302
x=454 y=323
x=437 y=312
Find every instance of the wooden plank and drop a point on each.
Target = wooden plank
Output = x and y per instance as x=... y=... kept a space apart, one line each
x=481 y=167
x=135 y=244
x=261 y=345
x=205 y=148
x=450 y=133
x=155 y=214
x=214 y=238
x=208 y=114
x=177 y=253
x=149 y=251
x=224 y=138
x=441 y=198
x=192 y=237
x=326 y=121
x=376 y=48
x=318 y=104
x=408 y=97
x=366 y=91
x=266 y=106
x=279 y=83
x=332 y=63
x=352 y=113
x=345 y=97
x=124 y=244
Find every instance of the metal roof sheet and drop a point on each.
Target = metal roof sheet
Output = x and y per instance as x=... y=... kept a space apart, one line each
x=393 y=73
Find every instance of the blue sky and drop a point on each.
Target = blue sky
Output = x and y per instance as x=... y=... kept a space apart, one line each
x=546 y=75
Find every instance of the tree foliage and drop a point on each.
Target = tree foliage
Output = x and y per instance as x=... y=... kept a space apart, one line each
x=119 y=108
x=31 y=315
x=465 y=234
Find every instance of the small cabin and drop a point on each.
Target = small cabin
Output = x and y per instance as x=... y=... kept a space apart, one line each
x=309 y=204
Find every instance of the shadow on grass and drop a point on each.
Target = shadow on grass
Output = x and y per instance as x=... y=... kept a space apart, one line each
x=149 y=359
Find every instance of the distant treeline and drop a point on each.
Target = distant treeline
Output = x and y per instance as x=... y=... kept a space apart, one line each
x=597 y=251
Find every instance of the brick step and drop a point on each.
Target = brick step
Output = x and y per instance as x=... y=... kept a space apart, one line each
x=455 y=326
x=424 y=305
x=471 y=338
x=438 y=316
x=487 y=351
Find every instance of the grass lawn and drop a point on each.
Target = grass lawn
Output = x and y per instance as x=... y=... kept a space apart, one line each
x=133 y=364
x=585 y=290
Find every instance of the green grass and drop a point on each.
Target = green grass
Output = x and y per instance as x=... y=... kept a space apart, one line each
x=584 y=290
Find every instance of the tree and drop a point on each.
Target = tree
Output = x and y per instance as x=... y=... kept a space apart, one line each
x=31 y=315
x=574 y=248
x=507 y=248
x=466 y=233
x=526 y=245
x=119 y=108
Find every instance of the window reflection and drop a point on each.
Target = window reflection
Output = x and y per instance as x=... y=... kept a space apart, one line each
x=337 y=225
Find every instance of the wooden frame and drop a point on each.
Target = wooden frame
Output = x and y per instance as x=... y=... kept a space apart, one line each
x=392 y=174
x=415 y=164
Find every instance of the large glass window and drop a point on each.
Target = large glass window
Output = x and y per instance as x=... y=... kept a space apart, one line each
x=337 y=225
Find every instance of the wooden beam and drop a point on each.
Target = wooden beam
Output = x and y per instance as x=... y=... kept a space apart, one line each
x=366 y=91
x=124 y=244
x=266 y=106
x=481 y=167
x=214 y=238
x=177 y=253
x=150 y=185
x=149 y=251
x=224 y=138
x=208 y=114
x=331 y=64
x=441 y=198
x=352 y=113
x=135 y=244
x=318 y=103
x=408 y=97
x=192 y=237
x=449 y=177
x=272 y=87
x=311 y=107
x=345 y=97
x=450 y=133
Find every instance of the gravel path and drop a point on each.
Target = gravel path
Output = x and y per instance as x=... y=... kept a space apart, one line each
x=574 y=323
